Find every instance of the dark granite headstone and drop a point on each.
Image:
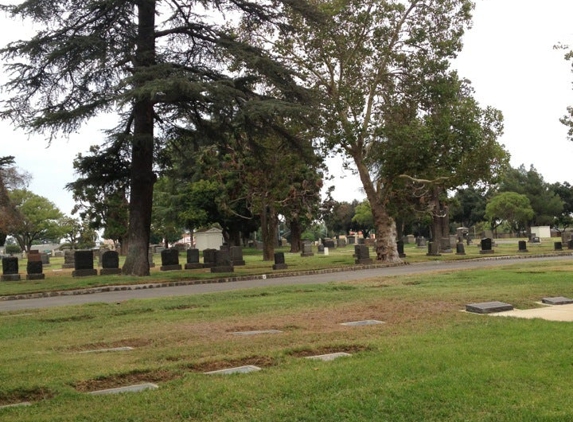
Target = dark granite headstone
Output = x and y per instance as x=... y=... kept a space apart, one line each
x=522 y=246
x=280 y=261
x=237 y=255
x=558 y=246
x=460 y=250
x=83 y=264
x=360 y=241
x=570 y=244
x=320 y=249
x=223 y=263
x=400 y=246
x=10 y=269
x=110 y=263
x=193 y=260
x=329 y=243
x=307 y=249
x=69 y=259
x=34 y=271
x=169 y=260
x=486 y=246
x=362 y=255
x=488 y=307
x=209 y=258
x=432 y=249
x=351 y=240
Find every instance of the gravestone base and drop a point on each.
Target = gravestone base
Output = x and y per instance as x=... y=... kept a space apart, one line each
x=84 y=273
x=109 y=271
x=489 y=251
x=208 y=265
x=170 y=267
x=365 y=261
x=193 y=266
x=280 y=266
x=35 y=276
x=65 y=266
x=11 y=277
x=238 y=263
x=488 y=307
x=522 y=251
x=307 y=254
x=223 y=269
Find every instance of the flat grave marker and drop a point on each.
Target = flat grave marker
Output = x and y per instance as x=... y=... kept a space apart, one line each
x=255 y=332
x=112 y=349
x=488 y=307
x=127 y=389
x=329 y=356
x=24 y=403
x=361 y=323
x=238 y=370
x=559 y=300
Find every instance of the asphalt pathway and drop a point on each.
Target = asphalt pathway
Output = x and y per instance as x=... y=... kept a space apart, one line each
x=118 y=296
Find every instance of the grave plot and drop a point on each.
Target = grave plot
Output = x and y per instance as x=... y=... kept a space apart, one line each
x=237 y=370
x=488 y=307
x=112 y=349
x=329 y=356
x=559 y=300
x=255 y=332
x=127 y=389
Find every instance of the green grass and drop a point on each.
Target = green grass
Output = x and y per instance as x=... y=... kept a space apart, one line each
x=61 y=279
x=428 y=362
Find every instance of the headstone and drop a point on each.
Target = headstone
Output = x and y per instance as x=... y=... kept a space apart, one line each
x=69 y=259
x=341 y=243
x=486 y=246
x=488 y=307
x=362 y=255
x=445 y=245
x=432 y=249
x=421 y=242
x=110 y=263
x=34 y=271
x=361 y=323
x=10 y=269
x=535 y=239
x=570 y=244
x=223 y=263
x=351 y=240
x=307 y=249
x=400 y=246
x=320 y=249
x=127 y=389
x=169 y=260
x=558 y=246
x=83 y=264
x=209 y=258
x=150 y=258
x=522 y=246
x=193 y=260
x=45 y=258
x=329 y=243
x=329 y=356
x=360 y=241
x=238 y=370
x=237 y=256
x=34 y=255
x=280 y=261
x=460 y=250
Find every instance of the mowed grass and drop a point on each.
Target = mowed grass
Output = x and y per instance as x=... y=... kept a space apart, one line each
x=58 y=279
x=428 y=362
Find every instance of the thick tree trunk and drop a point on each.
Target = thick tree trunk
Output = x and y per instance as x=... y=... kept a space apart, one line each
x=269 y=224
x=142 y=176
x=295 y=236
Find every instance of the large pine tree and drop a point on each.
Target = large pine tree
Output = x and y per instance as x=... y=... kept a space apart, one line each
x=157 y=64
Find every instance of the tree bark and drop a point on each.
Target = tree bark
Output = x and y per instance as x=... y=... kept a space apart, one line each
x=142 y=176
x=269 y=224
x=295 y=236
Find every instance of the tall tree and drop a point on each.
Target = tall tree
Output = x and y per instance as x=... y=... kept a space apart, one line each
x=148 y=61
x=10 y=178
x=511 y=208
x=366 y=57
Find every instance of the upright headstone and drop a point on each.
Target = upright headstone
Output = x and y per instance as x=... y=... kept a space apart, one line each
x=351 y=239
x=83 y=264
x=307 y=249
x=558 y=246
x=341 y=243
x=150 y=258
x=69 y=259
x=280 y=261
x=460 y=250
x=237 y=255
x=169 y=260
x=45 y=258
x=486 y=246
x=360 y=241
x=193 y=260
x=320 y=249
x=223 y=263
x=570 y=244
x=110 y=263
x=209 y=258
x=34 y=270
x=34 y=255
x=421 y=242
x=10 y=269
x=400 y=246
x=329 y=243
x=433 y=249
x=522 y=246
x=362 y=255
x=445 y=245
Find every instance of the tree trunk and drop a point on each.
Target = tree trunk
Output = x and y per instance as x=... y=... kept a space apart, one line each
x=269 y=224
x=142 y=176
x=386 y=248
x=295 y=236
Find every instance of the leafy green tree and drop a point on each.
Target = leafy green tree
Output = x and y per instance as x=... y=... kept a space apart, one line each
x=338 y=218
x=565 y=192
x=154 y=63
x=78 y=234
x=509 y=207
x=367 y=57
x=546 y=204
x=363 y=218
x=40 y=219
x=10 y=178
x=469 y=207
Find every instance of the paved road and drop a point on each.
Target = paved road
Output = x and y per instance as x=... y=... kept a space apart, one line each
x=117 y=296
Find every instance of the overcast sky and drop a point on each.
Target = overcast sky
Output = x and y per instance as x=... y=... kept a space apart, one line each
x=508 y=55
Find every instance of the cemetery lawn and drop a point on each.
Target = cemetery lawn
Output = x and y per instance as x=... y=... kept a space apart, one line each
x=58 y=279
x=428 y=361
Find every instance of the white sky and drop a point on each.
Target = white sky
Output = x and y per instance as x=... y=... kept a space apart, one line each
x=508 y=55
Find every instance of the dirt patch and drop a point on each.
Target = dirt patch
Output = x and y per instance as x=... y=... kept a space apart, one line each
x=130 y=378
x=182 y=307
x=323 y=350
x=260 y=361
x=72 y=318
x=19 y=396
x=132 y=342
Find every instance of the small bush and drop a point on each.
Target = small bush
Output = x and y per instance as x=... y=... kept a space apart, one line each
x=11 y=249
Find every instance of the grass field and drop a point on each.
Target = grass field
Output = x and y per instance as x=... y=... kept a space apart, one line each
x=428 y=361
